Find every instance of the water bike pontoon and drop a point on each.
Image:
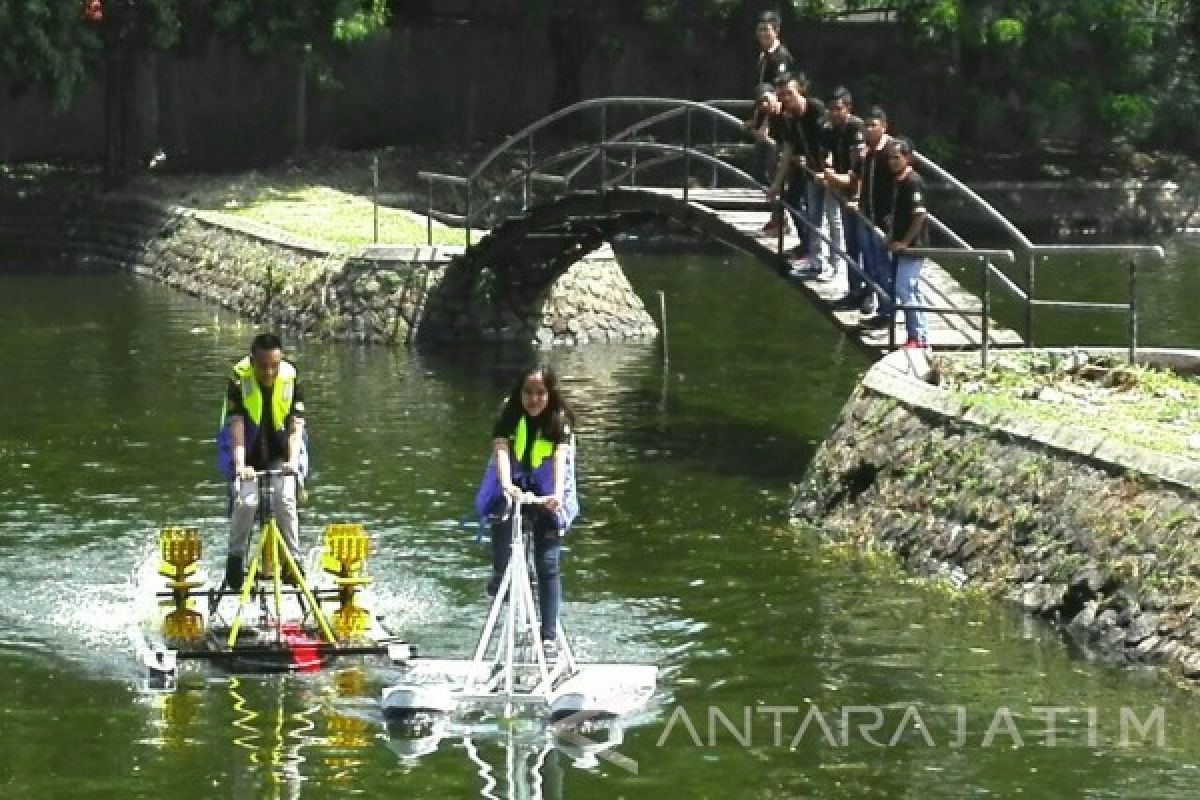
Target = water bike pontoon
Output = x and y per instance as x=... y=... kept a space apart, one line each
x=281 y=619
x=509 y=672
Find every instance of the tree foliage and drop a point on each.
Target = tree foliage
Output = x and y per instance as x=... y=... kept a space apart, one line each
x=1113 y=68
x=51 y=43
x=46 y=42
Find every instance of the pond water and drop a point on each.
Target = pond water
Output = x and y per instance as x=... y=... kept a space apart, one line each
x=788 y=669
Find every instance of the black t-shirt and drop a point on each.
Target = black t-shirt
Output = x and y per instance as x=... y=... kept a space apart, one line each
x=773 y=122
x=774 y=64
x=909 y=199
x=268 y=444
x=875 y=184
x=843 y=142
x=803 y=132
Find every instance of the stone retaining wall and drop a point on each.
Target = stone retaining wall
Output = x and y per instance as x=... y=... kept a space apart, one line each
x=1097 y=535
x=374 y=294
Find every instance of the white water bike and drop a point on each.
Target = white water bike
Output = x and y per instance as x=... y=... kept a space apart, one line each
x=509 y=672
x=282 y=618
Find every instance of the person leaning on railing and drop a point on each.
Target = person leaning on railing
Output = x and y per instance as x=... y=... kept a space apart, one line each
x=872 y=182
x=908 y=229
x=803 y=157
x=844 y=142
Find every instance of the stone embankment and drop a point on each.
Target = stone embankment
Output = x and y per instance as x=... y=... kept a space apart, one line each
x=1086 y=529
x=393 y=294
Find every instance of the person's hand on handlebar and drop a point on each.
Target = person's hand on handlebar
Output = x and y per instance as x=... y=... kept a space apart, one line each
x=551 y=503
x=246 y=473
x=290 y=468
x=513 y=492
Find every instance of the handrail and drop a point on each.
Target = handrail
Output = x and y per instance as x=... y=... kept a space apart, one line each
x=984 y=312
x=674 y=111
x=936 y=169
x=584 y=105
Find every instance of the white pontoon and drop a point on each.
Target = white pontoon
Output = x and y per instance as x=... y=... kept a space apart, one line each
x=509 y=673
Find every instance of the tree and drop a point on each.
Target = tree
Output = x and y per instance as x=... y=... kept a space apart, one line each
x=46 y=43
x=1104 y=68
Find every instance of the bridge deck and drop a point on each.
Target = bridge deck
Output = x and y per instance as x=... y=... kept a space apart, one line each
x=747 y=211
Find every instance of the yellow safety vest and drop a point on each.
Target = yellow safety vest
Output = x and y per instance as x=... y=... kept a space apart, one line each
x=252 y=396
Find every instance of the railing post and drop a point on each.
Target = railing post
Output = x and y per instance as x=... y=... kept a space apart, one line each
x=375 y=195
x=713 y=183
x=1031 y=287
x=781 y=218
x=467 y=218
x=986 y=324
x=429 y=211
x=603 y=149
x=687 y=153
x=1133 y=310
x=528 y=175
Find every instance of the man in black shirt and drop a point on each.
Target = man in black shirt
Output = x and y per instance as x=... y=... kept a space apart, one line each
x=873 y=184
x=774 y=60
x=843 y=134
x=766 y=126
x=907 y=230
x=802 y=162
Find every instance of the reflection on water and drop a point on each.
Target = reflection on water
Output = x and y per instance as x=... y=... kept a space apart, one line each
x=515 y=760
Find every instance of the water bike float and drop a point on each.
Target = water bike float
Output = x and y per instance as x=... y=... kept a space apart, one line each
x=509 y=672
x=281 y=619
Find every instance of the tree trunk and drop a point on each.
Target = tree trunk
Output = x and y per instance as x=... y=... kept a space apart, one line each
x=300 y=139
x=572 y=37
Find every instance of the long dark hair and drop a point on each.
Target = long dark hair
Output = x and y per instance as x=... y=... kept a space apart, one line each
x=558 y=415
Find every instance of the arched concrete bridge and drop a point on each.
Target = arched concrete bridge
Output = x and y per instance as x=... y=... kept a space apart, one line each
x=681 y=163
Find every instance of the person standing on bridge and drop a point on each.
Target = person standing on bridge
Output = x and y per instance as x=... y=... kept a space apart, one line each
x=907 y=229
x=766 y=126
x=262 y=428
x=774 y=60
x=802 y=165
x=873 y=186
x=843 y=133
x=533 y=452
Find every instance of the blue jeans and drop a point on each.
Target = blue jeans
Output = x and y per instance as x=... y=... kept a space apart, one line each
x=547 y=550
x=814 y=211
x=908 y=291
x=878 y=265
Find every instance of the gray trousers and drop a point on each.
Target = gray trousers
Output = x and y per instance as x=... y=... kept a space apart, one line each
x=245 y=507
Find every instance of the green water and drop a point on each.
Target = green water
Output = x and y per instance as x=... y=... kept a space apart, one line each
x=683 y=558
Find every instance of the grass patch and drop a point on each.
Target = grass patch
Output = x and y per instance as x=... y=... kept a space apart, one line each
x=326 y=198
x=1152 y=408
x=312 y=211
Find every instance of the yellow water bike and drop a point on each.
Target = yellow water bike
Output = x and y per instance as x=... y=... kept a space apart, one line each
x=282 y=618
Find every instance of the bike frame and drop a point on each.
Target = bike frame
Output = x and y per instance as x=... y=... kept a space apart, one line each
x=270 y=542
